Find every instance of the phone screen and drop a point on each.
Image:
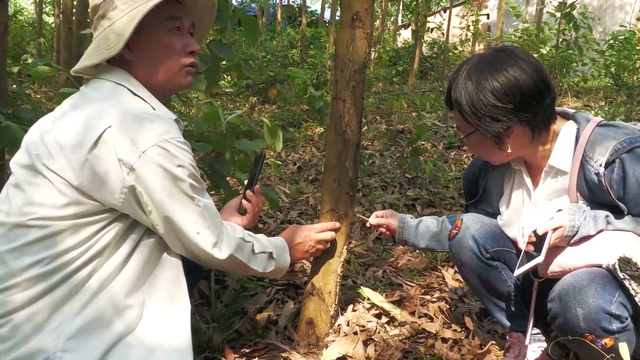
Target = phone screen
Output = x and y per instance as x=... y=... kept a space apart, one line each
x=530 y=259
x=252 y=180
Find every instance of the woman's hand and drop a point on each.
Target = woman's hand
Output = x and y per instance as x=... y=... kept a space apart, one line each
x=557 y=225
x=385 y=221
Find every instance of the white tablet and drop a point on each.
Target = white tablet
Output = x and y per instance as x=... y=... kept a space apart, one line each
x=530 y=259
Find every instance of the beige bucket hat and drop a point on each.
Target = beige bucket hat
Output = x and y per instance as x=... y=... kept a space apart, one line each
x=113 y=22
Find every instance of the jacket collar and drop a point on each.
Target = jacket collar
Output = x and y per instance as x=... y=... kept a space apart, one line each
x=121 y=77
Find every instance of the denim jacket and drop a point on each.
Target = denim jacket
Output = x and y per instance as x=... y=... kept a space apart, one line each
x=608 y=182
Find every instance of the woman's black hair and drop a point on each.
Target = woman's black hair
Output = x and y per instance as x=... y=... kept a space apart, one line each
x=502 y=87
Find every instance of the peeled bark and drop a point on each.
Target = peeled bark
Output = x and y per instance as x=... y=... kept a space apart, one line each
x=303 y=35
x=342 y=157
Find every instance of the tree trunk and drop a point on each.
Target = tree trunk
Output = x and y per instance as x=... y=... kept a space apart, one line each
x=381 y=28
x=342 y=157
x=38 y=10
x=332 y=25
x=66 y=41
x=303 y=35
x=540 y=5
x=445 y=56
x=397 y=20
x=56 y=31
x=323 y=5
x=418 y=34
x=500 y=21
x=4 y=48
x=279 y=15
x=4 y=94
x=525 y=16
x=80 y=23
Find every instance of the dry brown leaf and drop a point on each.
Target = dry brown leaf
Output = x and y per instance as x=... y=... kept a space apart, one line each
x=263 y=316
x=468 y=322
x=228 y=354
x=348 y=345
x=287 y=314
x=448 y=277
x=449 y=334
x=393 y=310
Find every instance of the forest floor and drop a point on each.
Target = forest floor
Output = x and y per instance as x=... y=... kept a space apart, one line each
x=253 y=318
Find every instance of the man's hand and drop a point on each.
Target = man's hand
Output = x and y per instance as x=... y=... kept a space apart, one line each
x=385 y=221
x=307 y=241
x=254 y=208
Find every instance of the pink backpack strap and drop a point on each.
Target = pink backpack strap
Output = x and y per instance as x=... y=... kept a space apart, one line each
x=577 y=157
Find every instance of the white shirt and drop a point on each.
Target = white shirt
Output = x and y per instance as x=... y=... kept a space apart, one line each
x=105 y=194
x=523 y=209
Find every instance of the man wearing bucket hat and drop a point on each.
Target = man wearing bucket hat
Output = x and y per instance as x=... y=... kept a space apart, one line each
x=105 y=197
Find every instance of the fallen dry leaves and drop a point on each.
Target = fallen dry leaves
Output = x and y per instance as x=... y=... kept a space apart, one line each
x=395 y=302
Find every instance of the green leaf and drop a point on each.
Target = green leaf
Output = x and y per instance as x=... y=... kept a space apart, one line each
x=273 y=136
x=249 y=145
x=202 y=147
x=221 y=49
x=271 y=196
x=251 y=29
x=40 y=72
x=215 y=117
x=219 y=178
x=11 y=135
x=212 y=73
x=275 y=166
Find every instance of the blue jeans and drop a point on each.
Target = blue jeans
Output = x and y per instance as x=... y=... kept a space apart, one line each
x=587 y=301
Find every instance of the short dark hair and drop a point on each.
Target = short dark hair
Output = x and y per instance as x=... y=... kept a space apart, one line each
x=502 y=87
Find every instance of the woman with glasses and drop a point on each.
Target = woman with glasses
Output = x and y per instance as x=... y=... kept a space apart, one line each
x=503 y=104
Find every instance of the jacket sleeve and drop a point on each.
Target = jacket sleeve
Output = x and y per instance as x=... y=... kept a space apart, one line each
x=429 y=233
x=585 y=222
x=167 y=194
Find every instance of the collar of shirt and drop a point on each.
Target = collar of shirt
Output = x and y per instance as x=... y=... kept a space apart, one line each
x=121 y=77
x=562 y=153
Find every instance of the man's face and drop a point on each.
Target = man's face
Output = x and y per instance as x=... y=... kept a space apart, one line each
x=162 y=52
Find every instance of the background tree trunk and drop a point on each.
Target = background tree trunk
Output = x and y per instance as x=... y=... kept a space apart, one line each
x=66 y=41
x=445 y=56
x=303 y=35
x=331 y=30
x=279 y=15
x=38 y=10
x=56 y=31
x=4 y=91
x=540 y=5
x=418 y=35
x=80 y=23
x=342 y=155
x=381 y=28
x=500 y=21
x=397 y=20
x=525 y=16
x=323 y=5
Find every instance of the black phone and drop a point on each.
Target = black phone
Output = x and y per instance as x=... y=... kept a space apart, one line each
x=252 y=180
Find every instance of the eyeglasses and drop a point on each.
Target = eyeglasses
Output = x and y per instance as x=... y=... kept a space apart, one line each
x=461 y=138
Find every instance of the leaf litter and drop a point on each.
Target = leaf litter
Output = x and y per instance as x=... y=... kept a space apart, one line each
x=395 y=302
